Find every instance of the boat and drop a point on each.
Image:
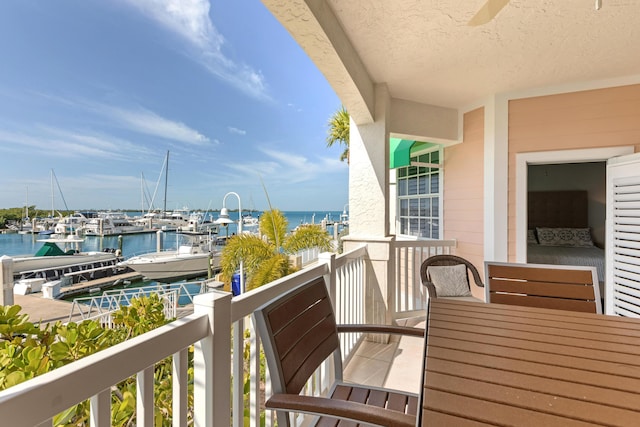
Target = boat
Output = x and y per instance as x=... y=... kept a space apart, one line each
x=199 y=223
x=166 y=221
x=249 y=220
x=193 y=258
x=60 y=254
x=111 y=223
x=69 y=225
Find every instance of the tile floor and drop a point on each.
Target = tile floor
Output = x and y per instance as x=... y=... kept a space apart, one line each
x=395 y=365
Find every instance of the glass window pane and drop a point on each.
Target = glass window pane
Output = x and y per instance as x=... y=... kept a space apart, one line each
x=413 y=226
x=435 y=183
x=402 y=172
x=414 y=207
x=422 y=184
x=424 y=228
x=435 y=229
x=412 y=170
x=404 y=207
x=404 y=222
x=425 y=207
x=402 y=187
x=412 y=186
x=435 y=207
x=435 y=157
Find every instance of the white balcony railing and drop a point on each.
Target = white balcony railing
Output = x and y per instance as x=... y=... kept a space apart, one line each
x=409 y=297
x=216 y=319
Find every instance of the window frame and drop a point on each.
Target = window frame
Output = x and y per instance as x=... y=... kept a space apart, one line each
x=407 y=192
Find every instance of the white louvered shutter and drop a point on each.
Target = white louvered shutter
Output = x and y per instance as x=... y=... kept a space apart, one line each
x=622 y=284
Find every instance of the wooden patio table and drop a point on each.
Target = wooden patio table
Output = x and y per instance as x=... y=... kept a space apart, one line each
x=493 y=364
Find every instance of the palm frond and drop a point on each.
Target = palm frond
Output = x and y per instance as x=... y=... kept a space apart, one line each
x=270 y=269
x=338 y=131
x=248 y=248
x=273 y=225
x=309 y=236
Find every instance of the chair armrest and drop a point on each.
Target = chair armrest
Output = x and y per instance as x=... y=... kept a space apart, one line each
x=342 y=409
x=431 y=289
x=382 y=329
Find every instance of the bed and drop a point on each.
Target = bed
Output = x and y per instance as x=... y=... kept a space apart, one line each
x=558 y=231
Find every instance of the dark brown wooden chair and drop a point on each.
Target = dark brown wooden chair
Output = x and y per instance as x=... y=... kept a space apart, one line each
x=561 y=287
x=447 y=260
x=299 y=333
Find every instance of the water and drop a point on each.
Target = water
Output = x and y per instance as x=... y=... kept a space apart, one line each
x=135 y=244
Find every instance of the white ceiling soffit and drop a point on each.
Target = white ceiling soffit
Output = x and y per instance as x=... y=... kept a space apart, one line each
x=426 y=51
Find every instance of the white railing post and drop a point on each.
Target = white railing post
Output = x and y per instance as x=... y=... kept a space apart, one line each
x=180 y=380
x=254 y=369
x=238 y=373
x=100 y=409
x=145 y=402
x=211 y=362
x=329 y=258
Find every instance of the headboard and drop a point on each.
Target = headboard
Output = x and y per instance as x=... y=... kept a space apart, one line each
x=557 y=209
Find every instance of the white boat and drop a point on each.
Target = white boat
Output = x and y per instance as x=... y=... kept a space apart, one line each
x=71 y=224
x=249 y=220
x=111 y=223
x=191 y=259
x=59 y=253
x=167 y=221
x=199 y=223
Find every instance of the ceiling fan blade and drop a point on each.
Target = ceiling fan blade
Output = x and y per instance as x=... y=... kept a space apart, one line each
x=487 y=12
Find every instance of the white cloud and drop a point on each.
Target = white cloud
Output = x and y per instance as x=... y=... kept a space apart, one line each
x=288 y=168
x=236 y=130
x=70 y=144
x=149 y=123
x=189 y=19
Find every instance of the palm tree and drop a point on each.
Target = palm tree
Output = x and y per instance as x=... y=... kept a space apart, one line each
x=266 y=258
x=339 y=131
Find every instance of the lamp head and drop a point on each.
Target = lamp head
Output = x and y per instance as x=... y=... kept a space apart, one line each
x=223 y=218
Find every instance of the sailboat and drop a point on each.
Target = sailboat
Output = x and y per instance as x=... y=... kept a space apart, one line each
x=166 y=221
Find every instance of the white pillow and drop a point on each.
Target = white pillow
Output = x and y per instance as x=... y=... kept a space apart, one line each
x=450 y=280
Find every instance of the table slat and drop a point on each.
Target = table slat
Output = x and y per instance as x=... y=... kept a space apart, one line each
x=493 y=364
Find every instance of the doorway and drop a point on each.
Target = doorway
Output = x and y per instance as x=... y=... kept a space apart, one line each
x=524 y=160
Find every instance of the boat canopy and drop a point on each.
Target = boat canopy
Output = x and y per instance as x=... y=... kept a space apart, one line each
x=51 y=249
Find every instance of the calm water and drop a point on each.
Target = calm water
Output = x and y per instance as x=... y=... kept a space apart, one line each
x=134 y=244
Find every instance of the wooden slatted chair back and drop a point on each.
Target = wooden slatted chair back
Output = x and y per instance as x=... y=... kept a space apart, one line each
x=561 y=287
x=299 y=333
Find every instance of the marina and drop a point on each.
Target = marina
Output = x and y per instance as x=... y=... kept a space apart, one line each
x=58 y=288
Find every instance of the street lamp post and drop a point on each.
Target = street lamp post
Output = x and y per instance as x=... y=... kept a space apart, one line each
x=224 y=219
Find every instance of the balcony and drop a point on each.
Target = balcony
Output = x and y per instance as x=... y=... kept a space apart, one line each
x=219 y=320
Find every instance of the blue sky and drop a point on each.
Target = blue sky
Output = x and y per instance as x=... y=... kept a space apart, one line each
x=99 y=91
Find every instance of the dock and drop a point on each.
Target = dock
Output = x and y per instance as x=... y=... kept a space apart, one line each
x=47 y=310
x=102 y=283
x=44 y=310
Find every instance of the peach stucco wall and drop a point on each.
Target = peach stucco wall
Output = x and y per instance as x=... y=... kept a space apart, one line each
x=464 y=190
x=589 y=119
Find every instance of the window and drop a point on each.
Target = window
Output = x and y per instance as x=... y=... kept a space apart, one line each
x=419 y=197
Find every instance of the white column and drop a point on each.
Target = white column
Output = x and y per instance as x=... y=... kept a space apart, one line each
x=369 y=204
x=6 y=275
x=369 y=172
x=496 y=162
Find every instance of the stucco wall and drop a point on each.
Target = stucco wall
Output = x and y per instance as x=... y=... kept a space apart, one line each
x=589 y=119
x=464 y=190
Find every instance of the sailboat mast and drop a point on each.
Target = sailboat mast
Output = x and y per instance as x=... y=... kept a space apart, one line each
x=166 y=181
x=141 y=193
x=52 y=197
